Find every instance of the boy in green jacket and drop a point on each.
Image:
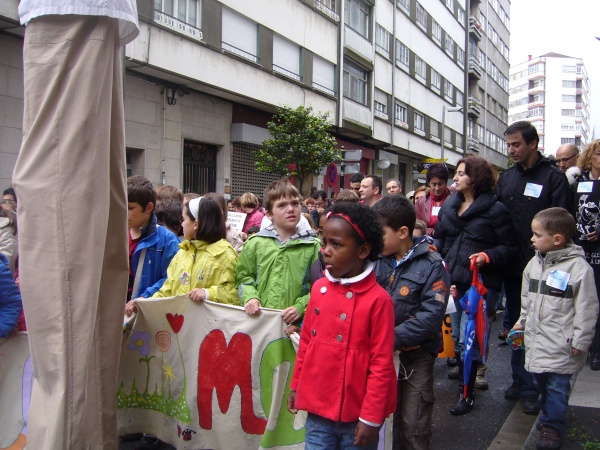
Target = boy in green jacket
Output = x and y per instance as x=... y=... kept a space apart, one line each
x=274 y=266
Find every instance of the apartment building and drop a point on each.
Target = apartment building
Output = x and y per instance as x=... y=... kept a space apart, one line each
x=553 y=92
x=204 y=77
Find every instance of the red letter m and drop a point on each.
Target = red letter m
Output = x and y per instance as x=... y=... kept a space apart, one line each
x=222 y=368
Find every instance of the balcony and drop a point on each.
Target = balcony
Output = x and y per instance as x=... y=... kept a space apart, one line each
x=475 y=67
x=327 y=11
x=473 y=144
x=358 y=44
x=475 y=28
x=537 y=89
x=177 y=25
x=473 y=107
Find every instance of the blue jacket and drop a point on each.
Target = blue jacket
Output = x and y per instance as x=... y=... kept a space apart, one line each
x=161 y=246
x=10 y=299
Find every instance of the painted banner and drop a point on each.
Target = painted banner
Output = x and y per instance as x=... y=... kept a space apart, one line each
x=205 y=375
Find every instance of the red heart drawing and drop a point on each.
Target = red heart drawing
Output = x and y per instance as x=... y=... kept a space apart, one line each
x=176 y=322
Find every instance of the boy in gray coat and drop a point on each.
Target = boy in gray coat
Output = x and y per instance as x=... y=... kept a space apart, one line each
x=559 y=307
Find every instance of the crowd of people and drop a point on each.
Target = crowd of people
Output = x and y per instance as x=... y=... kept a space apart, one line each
x=362 y=275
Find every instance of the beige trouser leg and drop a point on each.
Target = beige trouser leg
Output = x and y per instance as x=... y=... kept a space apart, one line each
x=70 y=180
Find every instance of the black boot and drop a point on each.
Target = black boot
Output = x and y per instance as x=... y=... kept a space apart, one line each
x=466 y=403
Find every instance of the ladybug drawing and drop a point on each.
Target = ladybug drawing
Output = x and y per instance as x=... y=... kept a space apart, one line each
x=187 y=434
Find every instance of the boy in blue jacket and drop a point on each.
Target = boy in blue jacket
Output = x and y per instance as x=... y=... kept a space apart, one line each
x=150 y=244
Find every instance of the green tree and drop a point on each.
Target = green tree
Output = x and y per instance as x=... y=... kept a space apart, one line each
x=300 y=144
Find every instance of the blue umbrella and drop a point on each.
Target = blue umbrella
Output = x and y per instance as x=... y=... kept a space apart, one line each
x=477 y=326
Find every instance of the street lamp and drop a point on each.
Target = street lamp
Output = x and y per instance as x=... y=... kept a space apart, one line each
x=444 y=109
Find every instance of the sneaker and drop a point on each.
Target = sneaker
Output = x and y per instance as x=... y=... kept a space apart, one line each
x=549 y=439
x=513 y=392
x=454 y=373
x=531 y=406
x=481 y=383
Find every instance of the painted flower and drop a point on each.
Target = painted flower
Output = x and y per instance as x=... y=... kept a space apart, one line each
x=163 y=339
x=140 y=341
x=176 y=322
x=168 y=370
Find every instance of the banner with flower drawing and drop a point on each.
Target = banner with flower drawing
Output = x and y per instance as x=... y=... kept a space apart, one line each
x=208 y=376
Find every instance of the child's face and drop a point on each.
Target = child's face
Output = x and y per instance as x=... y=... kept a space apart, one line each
x=543 y=241
x=285 y=214
x=137 y=217
x=391 y=241
x=310 y=206
x=344 y=257
x=189 y=226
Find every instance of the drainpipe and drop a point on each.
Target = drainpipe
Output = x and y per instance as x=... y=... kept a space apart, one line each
x=341 y=67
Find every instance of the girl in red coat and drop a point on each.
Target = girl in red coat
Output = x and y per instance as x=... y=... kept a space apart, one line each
x=344 y=375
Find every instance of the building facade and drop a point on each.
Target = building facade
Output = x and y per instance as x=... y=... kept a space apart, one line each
x=205 y=76
x=552 y=91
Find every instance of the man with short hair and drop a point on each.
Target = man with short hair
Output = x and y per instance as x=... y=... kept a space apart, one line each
x=393 y=187
x=355 y=180
x=566 y=156
x=370 y=189
x=531 y=185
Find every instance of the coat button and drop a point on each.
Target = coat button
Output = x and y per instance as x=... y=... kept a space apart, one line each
x=339 y=338
x=317 y=312
x=314 y=332
x=323 y=290
x=343 y=316
x=348 y=294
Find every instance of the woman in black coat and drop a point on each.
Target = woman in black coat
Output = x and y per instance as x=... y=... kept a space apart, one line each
x=474 y=224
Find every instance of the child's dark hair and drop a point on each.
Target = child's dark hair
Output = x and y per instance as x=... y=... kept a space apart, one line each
x=365 y=220
x=253 y=230
x=396 y=212
x=140 y=190
x=211 y=223
x=168 y=213
x=557 y=221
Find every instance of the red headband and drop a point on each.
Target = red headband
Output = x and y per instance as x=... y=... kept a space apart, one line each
x=349 y=220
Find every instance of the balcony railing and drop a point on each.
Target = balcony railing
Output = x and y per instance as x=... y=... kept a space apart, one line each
x=475 y=66
x=327 y=11
x=238 y=51
x=473 y=106
x=320 y=87
x=287 y=73
x=473 y=144
x=475 y=27
x=177 y=25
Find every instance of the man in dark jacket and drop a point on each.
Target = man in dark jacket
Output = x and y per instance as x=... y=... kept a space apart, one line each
x=533 y=184
x=414 y=275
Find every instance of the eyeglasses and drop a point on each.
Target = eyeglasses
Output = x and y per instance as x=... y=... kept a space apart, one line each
x=564 y=160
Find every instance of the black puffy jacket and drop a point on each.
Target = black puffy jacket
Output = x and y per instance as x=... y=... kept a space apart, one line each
x=484 y=226
x=419 y=285
x=510 y=190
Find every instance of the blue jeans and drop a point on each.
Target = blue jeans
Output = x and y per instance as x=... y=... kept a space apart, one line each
x=554 y=399
x=325 y=434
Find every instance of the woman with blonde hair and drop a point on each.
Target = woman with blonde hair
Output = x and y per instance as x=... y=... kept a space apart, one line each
x=584 y=181
x=251 y=206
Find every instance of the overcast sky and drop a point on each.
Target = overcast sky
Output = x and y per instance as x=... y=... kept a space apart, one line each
x=567 y=27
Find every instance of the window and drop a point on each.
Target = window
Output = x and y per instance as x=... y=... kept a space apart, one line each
x=537 y=111
x=355 y=83
x=449 y=45
x=380 y=104
x=447 y=135
x=460 y=56
x=567 y=127
x=405 y=4
x=187 y=11
x=419 y=122
x=402 y=53
x=382 y=40
x=567 y=141
x=401 y=115
x=357 y=16
x=460 y=98
x=537 y=98
x=434 y=129
x=448 y=91
x=323 y=75
x=421 y=16
x=380 y=107
x=239 y=35
x=459 y=141
x=482 y=21
x=569 y=69
x=539 y=126
x=569 y=83
x=450 y=5
x=461 y=16
x=436 y=31
x=567 y=112
x=286 y=57
x=536 y=68
x=436 y=80
x=569 y=98
x=420 y=69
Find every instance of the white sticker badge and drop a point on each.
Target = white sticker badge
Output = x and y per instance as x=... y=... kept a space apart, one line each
x=585 y=186
x=435 y=210
x=533 y=190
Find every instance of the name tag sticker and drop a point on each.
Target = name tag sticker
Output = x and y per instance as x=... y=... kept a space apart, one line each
x=558 y=279
x=585 y=186
x=533 y=190
x=435 y=210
